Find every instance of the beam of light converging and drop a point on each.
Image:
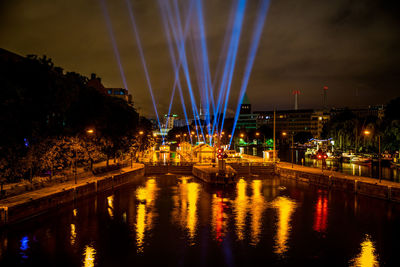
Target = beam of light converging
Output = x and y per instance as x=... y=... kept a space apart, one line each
x=205 y=67
x=180 y=42
x=143 y=60
x=179 y=37
x=113 y=42
x=259 y=24
x=235 y=15
x=236 y=38
x=221 y=55
x=230 y=59
x=175 y=65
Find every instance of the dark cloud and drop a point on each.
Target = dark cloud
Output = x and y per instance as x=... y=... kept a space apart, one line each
x=350 y=45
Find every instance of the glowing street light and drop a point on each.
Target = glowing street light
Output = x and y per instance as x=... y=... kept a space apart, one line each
x=257 y=134
x=241 y=135
x=90 y=131
x=367 y=133
x=141 y=132
x=284 y=133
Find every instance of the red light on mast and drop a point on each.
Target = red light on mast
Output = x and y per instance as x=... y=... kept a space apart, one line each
x=296 y=92
x=325 y=87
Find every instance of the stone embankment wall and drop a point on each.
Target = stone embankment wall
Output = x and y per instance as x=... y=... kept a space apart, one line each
x=19 y=211
x=240 y=168
x=355 y=184
x=164 y=169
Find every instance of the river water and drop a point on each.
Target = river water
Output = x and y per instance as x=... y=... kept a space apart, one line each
x=174 y=220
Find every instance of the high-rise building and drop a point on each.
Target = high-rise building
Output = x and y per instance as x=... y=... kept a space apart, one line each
x=169 y=120
x=247 y=120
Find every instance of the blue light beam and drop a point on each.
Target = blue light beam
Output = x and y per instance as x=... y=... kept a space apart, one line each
x=113 y=42
x=259 y=24
x=143 y=60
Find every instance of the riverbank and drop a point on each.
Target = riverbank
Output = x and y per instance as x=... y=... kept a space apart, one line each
x=354 y=184
x=24 y=206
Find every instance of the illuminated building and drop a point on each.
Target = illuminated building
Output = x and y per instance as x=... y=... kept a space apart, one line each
x=247 y=120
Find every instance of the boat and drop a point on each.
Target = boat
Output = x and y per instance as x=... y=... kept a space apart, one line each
x=361 y=160
x=346 y=157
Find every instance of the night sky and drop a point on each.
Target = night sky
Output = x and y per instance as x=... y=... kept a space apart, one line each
x=352 y=46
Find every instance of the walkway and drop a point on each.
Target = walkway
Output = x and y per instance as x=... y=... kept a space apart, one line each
x=32 y=195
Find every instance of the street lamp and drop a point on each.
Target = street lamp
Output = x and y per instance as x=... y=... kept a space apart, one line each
x=89 y=131
x=292 y=147
x=367 y=133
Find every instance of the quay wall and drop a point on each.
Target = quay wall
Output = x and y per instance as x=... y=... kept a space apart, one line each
x=240 y=168
x=22 y=210
x=354 y=184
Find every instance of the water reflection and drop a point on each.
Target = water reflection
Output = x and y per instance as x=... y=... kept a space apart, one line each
x=285 y=208
x=368 y=256
x=89 y=254
x=240 y=208
x=110 y=206
x=219 y=217
x=3 y=245
x=258 y=206
x=321 y=212
x=145 y=212
x=73 y=234
x=24 y=245
x=185 y=200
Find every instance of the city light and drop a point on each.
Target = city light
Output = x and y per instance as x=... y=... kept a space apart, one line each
x=367 y=132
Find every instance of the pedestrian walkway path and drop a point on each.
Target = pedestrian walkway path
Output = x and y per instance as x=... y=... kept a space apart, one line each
x=32 y=195
x=328 y=173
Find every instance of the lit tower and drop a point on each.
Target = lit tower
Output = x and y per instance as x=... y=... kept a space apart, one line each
x=325 y=101
x=296 y=96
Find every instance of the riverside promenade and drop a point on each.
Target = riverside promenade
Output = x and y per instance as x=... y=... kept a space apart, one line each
x=354 y=184
x=26 y=205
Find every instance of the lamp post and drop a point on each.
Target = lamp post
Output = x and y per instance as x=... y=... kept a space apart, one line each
x=90 y=131
x=367 y=133
x=284 y=134
x=141 y=140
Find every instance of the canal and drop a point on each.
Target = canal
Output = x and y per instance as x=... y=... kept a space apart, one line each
x=172 y=220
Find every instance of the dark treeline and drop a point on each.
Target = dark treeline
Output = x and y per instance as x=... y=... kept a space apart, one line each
x=45 y=115
x=348 y=130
